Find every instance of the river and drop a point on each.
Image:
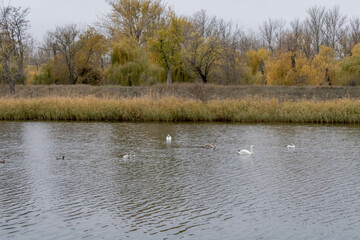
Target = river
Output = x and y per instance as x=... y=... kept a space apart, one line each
x=178 y=190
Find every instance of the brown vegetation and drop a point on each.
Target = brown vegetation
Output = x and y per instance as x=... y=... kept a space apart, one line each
x=203 y=92
x=176 y=109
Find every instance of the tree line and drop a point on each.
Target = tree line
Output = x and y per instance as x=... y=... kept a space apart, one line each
x=145 y=42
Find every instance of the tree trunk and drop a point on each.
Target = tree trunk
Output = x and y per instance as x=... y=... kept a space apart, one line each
x=293 y=62
x=262 y=67
x=327 y=77
x=8 y=78
x=71 y=75
x=169 y=78
x=202 y=75
x=12 y=86
x=21 y=73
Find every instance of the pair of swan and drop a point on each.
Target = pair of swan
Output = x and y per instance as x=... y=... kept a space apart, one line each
x=247 y=152
x=127 y=156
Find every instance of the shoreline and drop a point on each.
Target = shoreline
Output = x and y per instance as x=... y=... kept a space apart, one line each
x=195 y=91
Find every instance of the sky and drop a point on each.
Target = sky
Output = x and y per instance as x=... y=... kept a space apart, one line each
x=46 y=15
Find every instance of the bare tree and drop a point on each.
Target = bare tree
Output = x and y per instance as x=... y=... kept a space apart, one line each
x=230 y=37
x=269 y=32
x=307 y=41
x=248 y=41
x=335 y=28
x=315 y=24
x=202 y=47
x=65 y=42
x=355 y=30
x=280 y=34
x=48 y=47
x=13 y=33
x=293 y=40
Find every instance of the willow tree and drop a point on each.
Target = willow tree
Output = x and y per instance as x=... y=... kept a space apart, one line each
x=13 y=33
x=130 y=66
x=349 y=73
x=324 y=65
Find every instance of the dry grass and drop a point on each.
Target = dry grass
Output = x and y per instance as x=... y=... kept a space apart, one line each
x=170 y=109
x=185 y=90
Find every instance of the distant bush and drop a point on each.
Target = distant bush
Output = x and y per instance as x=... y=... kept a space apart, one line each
x=44 y=76
x=90 y=76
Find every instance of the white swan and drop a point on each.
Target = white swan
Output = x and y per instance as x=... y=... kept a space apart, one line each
x=247 y=152
x=168 y=138
x=128 y=156
x=290 y=146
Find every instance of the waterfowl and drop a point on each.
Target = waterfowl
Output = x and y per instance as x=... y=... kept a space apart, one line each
x=168 y=138
x=2 y=161
x=209 y=146
x=60 y=158
x=290 y=146
x=128 y=156
x=247 y=152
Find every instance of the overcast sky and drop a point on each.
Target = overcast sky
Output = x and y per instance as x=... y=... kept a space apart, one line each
x=45 y=15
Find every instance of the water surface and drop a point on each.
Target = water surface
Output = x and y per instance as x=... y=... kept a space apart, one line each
x=178 y=190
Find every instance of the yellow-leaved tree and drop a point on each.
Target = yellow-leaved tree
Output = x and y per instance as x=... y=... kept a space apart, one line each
x=135 y=19
x=280 y=70
x=349 y=73
x=324 y=65
x=290 y=68
x=165 y=46
x=90 y=58
x=257 y=61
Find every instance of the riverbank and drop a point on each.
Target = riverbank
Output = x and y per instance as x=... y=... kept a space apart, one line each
x=175 y=109
x=187 y=91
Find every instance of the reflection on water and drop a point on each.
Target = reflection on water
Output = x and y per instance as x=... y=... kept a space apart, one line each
x=178 y=190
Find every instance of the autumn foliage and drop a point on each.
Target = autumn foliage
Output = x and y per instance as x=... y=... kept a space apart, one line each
x=144 y=42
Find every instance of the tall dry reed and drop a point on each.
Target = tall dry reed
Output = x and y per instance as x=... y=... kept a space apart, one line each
x=171 y=109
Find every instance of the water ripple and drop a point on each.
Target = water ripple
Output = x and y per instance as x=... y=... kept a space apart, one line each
x=178 y=190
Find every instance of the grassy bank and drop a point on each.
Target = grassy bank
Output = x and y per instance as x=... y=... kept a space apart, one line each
x=170 y=109
x=203 y=92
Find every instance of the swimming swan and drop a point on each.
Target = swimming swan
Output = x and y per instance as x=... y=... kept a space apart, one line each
x=60 y=158
x=127 y=156
x=209 y=146
x=290 y=146
x=247 y=152
x=168 y=138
